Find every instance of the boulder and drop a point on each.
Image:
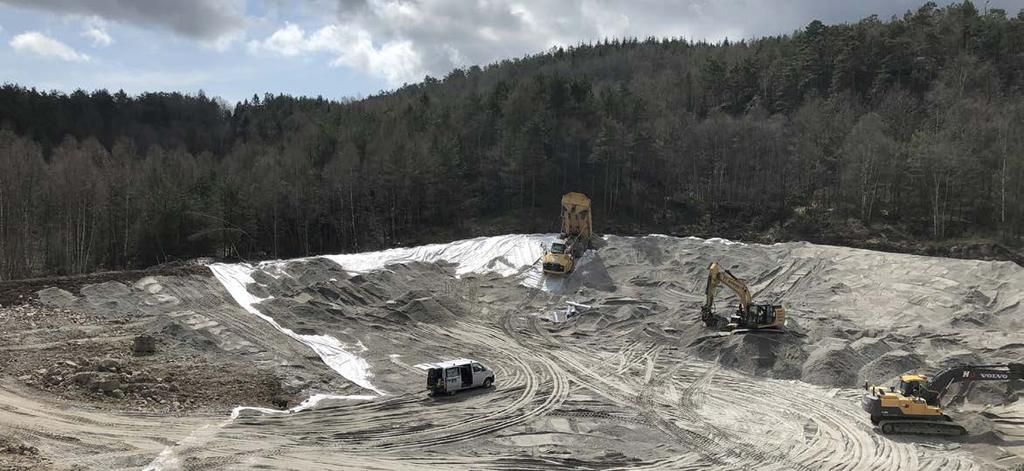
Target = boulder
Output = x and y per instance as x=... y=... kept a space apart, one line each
x=144 y=345
x=106 y=384
x=108 y=364
x=84 y=378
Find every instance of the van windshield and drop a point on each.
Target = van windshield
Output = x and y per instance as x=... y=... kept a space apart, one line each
x=557 y=248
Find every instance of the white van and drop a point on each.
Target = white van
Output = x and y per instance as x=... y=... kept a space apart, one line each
x=448 y=377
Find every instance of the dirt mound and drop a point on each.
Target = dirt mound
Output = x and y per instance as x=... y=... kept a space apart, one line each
x=56 y=297
x=775 y=355
x=293 y=276
x=312 y=317
x=832 y=363
x=888 y=366
x=175 y=330
x=345 y=293
x=958 y=357
x=104 y=291
x=108 y=298
x=623 y=316
x=418 y=306
x=870 y=347
x=592 y=274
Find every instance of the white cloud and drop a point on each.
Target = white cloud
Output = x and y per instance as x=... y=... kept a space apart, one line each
x=96 y=32
x=224 y=41
x=288 y=41
x=395 y=61
x=434 y=36
x=34 y=42
x=205 y=20
x=99 y=37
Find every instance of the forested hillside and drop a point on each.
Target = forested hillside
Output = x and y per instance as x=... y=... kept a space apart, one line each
x=906 y=128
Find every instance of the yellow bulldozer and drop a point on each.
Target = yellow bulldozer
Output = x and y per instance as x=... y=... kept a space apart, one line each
x=575 y=236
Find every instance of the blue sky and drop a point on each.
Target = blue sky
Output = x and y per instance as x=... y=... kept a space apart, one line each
x=351 y=48
x=150 y=58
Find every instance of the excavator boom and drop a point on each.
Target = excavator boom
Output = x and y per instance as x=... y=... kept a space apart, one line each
x=718 y=275
x=748 y=315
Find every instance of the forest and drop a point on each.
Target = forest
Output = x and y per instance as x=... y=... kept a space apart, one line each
x=910 y=128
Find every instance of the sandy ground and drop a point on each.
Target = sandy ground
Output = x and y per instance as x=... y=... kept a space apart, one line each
x=633 y=383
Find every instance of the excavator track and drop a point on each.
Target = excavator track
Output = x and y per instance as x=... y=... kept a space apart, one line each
x=921 y=427
x=767 y=330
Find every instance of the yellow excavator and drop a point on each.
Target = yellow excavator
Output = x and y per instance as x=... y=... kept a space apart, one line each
x=574 y=240
x=748 y=316
x=914 y=405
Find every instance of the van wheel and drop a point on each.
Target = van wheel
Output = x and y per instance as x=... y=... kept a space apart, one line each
x=488 y=382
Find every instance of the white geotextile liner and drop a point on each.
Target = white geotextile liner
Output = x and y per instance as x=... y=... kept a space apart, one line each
x=236 y=277
x=506 y=255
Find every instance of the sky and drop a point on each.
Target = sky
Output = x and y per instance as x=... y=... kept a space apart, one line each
x=343 y=49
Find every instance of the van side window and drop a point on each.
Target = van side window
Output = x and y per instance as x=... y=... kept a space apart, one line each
x=477 y=367
x=451 y=373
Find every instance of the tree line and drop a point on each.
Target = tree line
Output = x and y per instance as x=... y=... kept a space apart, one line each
x=915 y=124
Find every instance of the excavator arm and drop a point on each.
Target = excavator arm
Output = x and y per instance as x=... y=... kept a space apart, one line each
x=933 y=390
x=718 y=275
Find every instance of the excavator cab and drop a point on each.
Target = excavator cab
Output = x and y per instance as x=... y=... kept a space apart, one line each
x=766 y=316
x=910 y=385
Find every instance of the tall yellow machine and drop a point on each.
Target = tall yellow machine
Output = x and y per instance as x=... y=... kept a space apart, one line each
x=574 y=239
x=748 y=316
x=914 y=405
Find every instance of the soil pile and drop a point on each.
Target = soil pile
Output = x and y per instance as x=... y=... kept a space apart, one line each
x=832 y=363
x=888 y=366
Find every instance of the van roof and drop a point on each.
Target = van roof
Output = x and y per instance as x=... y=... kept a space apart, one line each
x=446 y=364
